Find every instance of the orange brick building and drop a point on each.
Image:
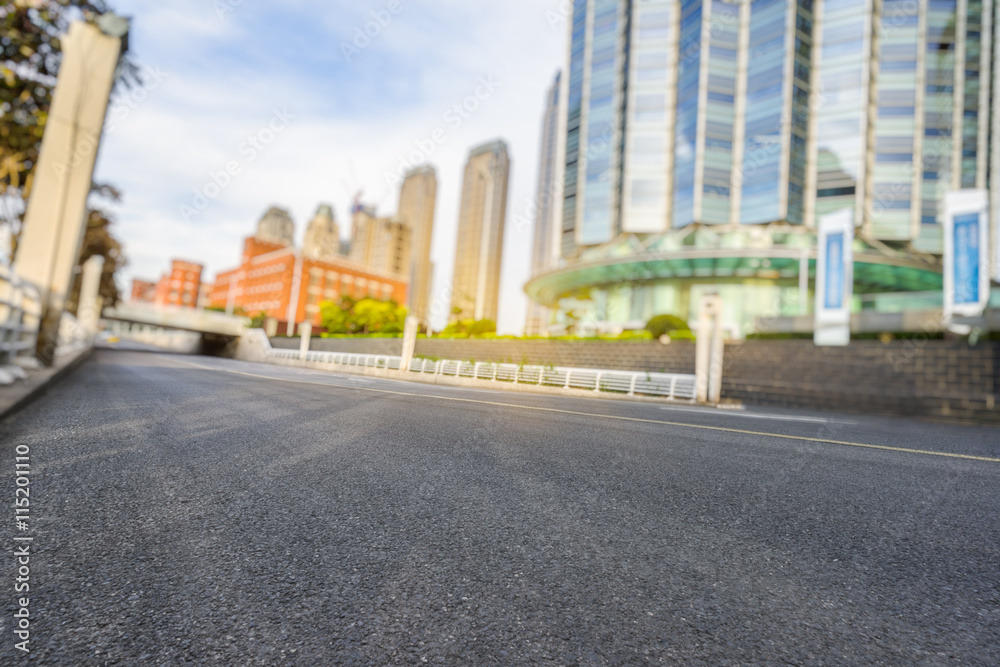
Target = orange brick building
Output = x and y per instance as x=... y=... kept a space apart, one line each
x=143 y=291
x=279 y=282
x=181 y=286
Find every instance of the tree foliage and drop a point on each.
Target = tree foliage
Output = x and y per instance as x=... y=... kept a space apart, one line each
x=470 y=328
x=97 y=240
x=31 y=47
x=362 y=317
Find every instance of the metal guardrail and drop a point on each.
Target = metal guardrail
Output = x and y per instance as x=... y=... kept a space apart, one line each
x=663 y=385
x=20 y=315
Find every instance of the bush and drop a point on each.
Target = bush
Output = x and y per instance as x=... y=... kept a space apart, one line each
x=480 y=327
x=666 y=324
x=680 y=334
x=640 y=334
x=470 y=328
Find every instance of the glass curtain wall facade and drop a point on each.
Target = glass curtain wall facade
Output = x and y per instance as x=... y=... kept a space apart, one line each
x=543 y=256
x=772 y=113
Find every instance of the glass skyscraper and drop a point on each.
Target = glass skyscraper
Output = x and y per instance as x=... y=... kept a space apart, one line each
x=546 y=206
x=703 y=139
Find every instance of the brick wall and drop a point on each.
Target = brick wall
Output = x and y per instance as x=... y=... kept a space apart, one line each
x=930 y=378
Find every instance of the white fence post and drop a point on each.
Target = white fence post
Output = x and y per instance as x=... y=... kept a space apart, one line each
x=410 y=329
x=305 y=333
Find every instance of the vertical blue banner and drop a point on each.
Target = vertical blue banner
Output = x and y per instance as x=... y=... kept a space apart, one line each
x=966 y=267
x=833 y=297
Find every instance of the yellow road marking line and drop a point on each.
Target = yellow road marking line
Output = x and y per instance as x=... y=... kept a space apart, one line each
x=904 y=450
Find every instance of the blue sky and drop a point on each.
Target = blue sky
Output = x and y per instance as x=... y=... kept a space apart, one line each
x=221 y=71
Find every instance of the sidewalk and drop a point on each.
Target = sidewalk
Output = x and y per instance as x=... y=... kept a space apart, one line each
x=15 y=396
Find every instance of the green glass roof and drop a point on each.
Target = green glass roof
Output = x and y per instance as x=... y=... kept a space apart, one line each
x=705 y=254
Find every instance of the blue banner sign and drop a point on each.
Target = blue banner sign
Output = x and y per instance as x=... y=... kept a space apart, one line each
x=834 y=284
x=965 y=236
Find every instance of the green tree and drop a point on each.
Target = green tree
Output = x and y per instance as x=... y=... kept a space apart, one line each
x=98 y=240
x=362 y=317
x=333 y=317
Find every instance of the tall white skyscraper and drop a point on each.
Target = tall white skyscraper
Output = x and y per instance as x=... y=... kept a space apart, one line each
x=547 y=204
x=476 y=285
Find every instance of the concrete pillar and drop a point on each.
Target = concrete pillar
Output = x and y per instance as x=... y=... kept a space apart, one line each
x=271 y=327
x=305 y=332
x=409 y=342
x=55 y=218
x=89 y=308
x=709 y=350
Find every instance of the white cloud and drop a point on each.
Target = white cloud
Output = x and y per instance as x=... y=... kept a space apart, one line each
x=353 y=121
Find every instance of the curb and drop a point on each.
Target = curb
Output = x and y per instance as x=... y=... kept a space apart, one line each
x=36 y=387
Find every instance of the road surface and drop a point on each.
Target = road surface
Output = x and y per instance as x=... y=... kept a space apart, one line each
x=191 y=509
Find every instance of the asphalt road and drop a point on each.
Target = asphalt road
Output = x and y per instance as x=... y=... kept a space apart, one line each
x=188 y=509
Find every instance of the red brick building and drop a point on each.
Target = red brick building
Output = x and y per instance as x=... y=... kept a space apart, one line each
x=143 y=291
x=181 y=286
x=279 y=282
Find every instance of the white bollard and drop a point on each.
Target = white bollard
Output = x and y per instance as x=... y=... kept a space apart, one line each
x=409 y=342
x=89 y=308
x=305 y=333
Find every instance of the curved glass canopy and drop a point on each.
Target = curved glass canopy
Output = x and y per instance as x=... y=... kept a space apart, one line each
x=773 y=253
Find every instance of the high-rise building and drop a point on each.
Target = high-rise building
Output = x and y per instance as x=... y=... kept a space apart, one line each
x=544 y=253
x=482 y=214
x=322 y=235
x=702 y=140
x=276 y=227
x=417 y=198
x=380 y=244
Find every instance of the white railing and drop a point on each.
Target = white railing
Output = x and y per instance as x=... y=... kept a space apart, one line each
x=20 y=315
x=339 y=358
x=663 y=385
